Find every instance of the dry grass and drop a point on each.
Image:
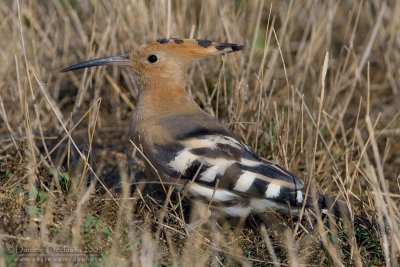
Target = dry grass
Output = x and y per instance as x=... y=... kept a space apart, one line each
x=316 y=89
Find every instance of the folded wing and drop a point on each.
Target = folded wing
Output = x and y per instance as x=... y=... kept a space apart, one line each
x=223 y=169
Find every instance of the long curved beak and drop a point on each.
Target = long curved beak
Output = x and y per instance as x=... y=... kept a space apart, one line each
x=113 y=60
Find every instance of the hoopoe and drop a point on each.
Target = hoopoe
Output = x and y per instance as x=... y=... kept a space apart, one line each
x=189 y=148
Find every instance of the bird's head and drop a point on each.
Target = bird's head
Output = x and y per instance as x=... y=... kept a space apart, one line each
x=162 y=59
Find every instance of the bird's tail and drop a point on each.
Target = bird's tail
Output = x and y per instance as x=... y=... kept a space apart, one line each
x=339 y=209
x=332 y=205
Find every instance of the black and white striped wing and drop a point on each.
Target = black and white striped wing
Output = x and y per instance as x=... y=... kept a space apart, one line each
x=226 y=171
x=223 y=170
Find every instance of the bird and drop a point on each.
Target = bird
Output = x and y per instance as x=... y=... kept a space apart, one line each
x=185 y=146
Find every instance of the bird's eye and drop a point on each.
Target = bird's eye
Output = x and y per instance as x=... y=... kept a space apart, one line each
x=152 y=58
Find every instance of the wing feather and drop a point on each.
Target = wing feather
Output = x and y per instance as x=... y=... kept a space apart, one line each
x=254 y=178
